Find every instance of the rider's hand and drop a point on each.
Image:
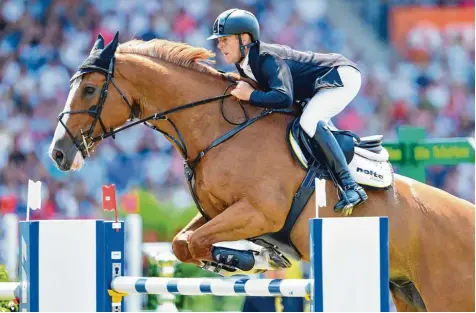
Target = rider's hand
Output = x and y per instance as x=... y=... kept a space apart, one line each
x=242 y=91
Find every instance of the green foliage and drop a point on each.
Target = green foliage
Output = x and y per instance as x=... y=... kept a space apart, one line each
x=163 y=217
x=6 y=305
x=153 y=270
x=3 y=274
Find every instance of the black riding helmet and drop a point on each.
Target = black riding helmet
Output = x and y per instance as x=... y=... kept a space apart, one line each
x=236 y=22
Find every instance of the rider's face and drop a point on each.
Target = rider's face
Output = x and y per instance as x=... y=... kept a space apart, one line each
x=230 y=47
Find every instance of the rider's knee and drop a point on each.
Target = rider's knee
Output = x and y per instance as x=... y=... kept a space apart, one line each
x=322 y=126
x=308 y=124
x=311 y=125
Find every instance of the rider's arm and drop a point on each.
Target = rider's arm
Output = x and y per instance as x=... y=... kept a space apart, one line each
x=279 y=78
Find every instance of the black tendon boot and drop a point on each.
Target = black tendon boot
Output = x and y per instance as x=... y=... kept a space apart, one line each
x=352 y=194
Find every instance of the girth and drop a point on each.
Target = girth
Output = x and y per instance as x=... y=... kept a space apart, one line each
x=281 y=240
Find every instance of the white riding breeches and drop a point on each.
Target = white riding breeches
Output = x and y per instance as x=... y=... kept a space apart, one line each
x=327 y=103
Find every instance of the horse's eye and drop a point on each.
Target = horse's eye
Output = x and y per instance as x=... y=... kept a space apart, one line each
x=89 y=90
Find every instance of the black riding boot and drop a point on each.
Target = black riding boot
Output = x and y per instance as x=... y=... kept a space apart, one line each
x=353 y=193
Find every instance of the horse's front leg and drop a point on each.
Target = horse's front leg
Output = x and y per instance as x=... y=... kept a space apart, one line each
x=180 y=241
x=239 y=221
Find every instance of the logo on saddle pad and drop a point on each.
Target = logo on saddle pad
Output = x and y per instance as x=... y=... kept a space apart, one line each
x=371 y=173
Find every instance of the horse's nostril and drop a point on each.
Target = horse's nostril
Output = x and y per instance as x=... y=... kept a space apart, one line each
x=58 y=156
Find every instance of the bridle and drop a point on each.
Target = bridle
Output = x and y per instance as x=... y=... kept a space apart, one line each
x=87 y=139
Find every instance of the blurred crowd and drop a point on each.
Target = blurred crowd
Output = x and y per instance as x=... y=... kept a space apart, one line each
x=42 y=42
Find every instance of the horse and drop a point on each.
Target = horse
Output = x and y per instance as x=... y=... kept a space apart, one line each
x=243 y=175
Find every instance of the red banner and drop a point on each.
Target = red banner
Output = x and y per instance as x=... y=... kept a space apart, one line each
x=109 y=198
x=413 y=26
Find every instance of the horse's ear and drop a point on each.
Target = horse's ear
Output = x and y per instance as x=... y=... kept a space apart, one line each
x=112 y=46
x=99 y=44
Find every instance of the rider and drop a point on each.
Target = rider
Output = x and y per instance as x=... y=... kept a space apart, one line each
x=331 y=80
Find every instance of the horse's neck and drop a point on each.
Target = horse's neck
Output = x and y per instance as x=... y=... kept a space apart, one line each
x=166 y=86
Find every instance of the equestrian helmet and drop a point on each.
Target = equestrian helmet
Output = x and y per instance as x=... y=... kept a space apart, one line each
x=235 y=21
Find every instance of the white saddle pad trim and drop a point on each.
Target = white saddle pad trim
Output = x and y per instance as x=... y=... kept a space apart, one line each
x=298 y=150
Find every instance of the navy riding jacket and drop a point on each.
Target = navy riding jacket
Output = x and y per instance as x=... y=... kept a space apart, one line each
x=287 y=75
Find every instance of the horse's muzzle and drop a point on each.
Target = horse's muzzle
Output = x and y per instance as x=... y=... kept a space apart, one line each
x=63 y=153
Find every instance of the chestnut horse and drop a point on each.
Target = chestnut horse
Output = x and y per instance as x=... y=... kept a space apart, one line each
x=246 y=184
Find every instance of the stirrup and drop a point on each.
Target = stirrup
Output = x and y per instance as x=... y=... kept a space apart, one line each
x=349 y=207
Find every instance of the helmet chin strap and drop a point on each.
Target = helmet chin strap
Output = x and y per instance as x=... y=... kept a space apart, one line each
x=243 y=47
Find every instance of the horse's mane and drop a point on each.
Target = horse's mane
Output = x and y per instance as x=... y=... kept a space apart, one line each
x=174 y=52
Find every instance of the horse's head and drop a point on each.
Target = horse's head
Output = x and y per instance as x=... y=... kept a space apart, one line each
x=92 y=110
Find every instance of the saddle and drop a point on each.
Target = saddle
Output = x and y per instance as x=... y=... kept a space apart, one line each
x=367 y=159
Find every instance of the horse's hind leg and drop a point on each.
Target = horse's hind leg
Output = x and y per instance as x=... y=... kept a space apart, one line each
x=239 y=221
